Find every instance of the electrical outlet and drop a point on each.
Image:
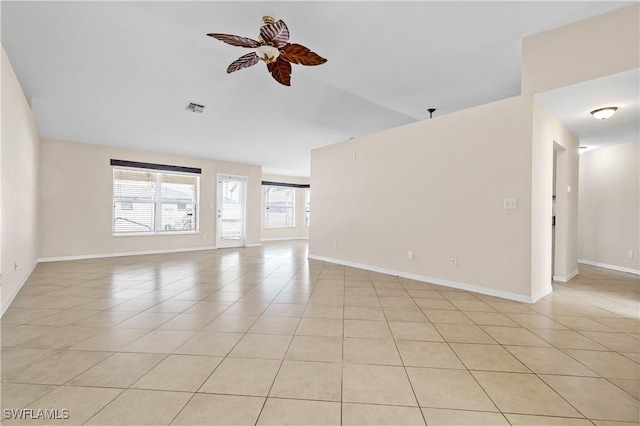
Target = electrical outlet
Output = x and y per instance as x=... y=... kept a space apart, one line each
x=510 y=203
x=453 y=262
x=335 y=245
x=410 y=254
x=630 y=254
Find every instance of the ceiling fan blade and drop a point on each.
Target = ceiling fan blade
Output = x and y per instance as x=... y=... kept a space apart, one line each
x=298 y=54
x=281 y=71
x=235 y=40
x=245 y=61
x=276 y=33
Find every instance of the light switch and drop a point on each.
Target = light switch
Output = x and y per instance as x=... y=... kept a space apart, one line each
x=510 y=203
x=569 y=188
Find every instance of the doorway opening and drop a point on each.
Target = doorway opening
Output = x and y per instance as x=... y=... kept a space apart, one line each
x=559 y=216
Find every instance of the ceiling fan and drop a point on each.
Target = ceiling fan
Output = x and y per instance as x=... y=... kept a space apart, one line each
x=273 y=48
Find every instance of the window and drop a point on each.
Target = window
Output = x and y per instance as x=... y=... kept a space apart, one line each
x=307 y=206
x=154 y=201
x=279 y=207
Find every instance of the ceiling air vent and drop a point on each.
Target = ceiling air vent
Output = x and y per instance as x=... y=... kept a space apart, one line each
x=195 y=108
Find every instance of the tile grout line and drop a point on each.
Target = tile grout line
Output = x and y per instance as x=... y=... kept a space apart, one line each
x=275 y=377
x=344 y=297
x=404 y=367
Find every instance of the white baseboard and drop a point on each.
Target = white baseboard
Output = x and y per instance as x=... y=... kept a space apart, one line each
x=127 y=253
x=542 y=293
x=438 y=281
x=9 y=301
x=613 y=267
x=253 y=245
x=565 y=278
x=285 y=239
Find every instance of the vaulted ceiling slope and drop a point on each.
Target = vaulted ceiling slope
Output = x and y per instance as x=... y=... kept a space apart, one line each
x=122 y=73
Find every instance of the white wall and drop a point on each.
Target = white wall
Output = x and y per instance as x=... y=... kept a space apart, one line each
x=596 y=47
x=547 y=131
x=609 y=220
x=76 y=199
x=436 y=188
x=299 y=231
x=19 y=177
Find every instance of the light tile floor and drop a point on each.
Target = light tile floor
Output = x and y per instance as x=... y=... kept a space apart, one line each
x=264 y=336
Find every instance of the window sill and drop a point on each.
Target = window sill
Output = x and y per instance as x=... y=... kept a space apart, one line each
x=152 y=234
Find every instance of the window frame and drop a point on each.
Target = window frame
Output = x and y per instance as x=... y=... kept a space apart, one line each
x=307 y=207
x=293 y=207
x=156 y=200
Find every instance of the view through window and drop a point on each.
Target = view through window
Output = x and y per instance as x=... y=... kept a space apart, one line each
x=279 y=207
x=151 y=201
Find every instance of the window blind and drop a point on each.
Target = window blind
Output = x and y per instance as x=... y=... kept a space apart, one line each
x=154 y=201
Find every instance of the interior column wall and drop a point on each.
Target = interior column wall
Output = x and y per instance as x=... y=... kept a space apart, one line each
x=547 y=131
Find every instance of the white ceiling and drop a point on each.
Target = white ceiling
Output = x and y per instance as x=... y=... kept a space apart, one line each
x=573 y=104
x=121 y=73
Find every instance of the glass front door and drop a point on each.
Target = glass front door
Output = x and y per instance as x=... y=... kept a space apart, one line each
x=231 y=211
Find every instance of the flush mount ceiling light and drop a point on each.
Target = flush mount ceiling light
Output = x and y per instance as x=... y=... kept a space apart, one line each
x=273 y=48
x=603 y=113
